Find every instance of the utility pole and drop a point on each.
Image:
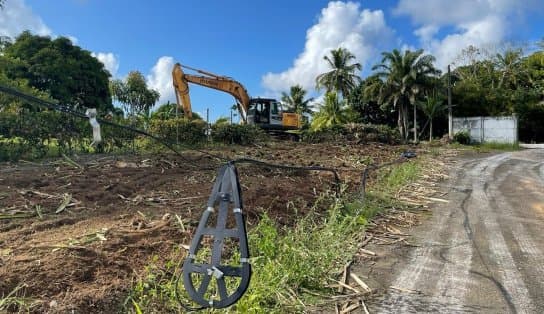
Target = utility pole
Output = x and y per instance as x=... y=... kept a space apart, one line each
x=208 y=126
x=177 y=121
x=450 y=114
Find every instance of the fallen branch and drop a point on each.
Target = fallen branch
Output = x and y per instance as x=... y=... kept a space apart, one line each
x=360 y=282
x=71 y=162
x=367 y=252
x=345 y=276
x=350 y=308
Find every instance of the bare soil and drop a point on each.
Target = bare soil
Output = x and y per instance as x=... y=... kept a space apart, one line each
x=115 y=213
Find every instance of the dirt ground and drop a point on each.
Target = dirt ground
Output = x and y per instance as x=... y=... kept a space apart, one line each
x=86 y=229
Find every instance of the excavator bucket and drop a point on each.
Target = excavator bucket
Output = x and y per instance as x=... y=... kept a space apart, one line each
x=216 y=272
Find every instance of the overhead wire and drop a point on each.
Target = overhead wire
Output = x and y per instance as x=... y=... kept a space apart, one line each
x=242 y=160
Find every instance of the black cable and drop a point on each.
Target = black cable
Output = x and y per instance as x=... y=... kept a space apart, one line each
x=67 y=110
x=404 y=157
x=167 y=144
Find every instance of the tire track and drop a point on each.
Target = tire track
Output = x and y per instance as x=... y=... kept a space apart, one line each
x=483 y=238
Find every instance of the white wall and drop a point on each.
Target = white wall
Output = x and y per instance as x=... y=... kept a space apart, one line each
x=489 y=129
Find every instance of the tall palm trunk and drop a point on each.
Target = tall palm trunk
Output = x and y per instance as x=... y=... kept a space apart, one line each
x=400 y=122
x=405 y=121
x=431 y=131
x=415 y=123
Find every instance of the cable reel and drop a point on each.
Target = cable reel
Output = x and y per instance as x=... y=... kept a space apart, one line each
x=199 y=276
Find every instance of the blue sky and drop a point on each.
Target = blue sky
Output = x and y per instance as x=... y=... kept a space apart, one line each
x=268 y=45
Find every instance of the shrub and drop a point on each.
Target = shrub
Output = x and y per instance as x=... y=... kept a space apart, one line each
x=189 y=132
x=354 y=132
x=238 y=134
x=329 y=134
x=462 y=137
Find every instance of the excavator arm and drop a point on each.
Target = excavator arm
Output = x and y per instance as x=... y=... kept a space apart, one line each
x=210 y=80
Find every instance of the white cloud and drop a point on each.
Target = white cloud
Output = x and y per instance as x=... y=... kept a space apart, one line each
x=341 y=24
x=73 y=39
x=479 y=23
x=110 y=61
x=426 y=33
x=486 y=32
x=160 y=79
x=17 y=17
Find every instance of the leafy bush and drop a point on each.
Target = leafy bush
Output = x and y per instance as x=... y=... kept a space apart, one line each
x=329 y=134
x=462 y=137
x=353 y=132
x=189 y=132
x=13 y=149
x=33 y=134
x=238 y=134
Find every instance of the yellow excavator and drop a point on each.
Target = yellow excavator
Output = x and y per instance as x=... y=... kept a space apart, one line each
x=264 y=112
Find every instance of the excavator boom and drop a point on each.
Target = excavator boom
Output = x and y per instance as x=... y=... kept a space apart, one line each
x=221 y=83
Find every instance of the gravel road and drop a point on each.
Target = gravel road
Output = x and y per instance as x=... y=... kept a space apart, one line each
x=483 y=252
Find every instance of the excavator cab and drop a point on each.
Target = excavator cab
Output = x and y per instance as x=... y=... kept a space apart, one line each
x=268 y=114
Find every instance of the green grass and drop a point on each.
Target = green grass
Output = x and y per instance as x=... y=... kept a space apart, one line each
x=487 y=147
x=291 y=266
x=494 y=146
x=13 y=302
x=390 y=179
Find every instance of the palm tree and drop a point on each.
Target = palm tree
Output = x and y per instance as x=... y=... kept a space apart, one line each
x=330 y=114
x=432 y=107
x=295 y=100
x=405 y=76
x=509 y=66
x=342 y=77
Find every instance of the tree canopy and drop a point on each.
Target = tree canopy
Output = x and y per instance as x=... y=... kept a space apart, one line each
x=134 y=94
x=66 y=72
x=405 y=76
x=343 y=77
x=296 y=100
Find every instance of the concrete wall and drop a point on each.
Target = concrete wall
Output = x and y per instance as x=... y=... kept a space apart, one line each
x=489 y=129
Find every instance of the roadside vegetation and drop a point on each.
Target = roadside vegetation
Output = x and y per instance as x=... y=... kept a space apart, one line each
x=296 y=267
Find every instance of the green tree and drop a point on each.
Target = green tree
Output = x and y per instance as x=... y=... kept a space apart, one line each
x=331 y=113
x=342 y=78
x=63 y=70
x=405 y=77
x=296 y=101
x=134 y=95
x=510 y=67
x=433 y=106
x=222 y=121
x=365 y=101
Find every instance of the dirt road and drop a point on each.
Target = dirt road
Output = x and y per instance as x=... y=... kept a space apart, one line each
x=484 y=250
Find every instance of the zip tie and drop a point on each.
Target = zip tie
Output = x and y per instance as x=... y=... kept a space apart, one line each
x=215 y=272
x=244 y=260
x=211 y=303
x=210 y=209
x=237 y=210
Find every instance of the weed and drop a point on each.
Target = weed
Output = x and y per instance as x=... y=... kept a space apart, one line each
x=13 y=302
x=494 y=146
x=291 y=265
